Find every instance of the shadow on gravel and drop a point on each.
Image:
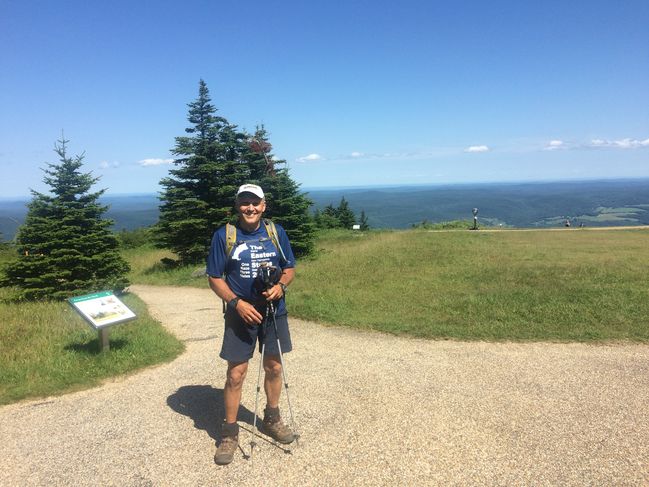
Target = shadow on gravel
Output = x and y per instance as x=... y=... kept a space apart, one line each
x=204 y=404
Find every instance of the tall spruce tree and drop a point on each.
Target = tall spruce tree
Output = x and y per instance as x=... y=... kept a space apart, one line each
x=213 y=162
x=65 y=247
x=197 y=197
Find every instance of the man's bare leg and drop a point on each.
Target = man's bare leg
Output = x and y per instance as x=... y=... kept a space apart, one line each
x=272 y=379
x=232 y=391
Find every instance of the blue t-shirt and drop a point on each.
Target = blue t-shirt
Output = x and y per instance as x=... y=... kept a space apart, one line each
x=249 y=252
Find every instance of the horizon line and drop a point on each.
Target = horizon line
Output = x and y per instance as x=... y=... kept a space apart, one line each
x=396 y=185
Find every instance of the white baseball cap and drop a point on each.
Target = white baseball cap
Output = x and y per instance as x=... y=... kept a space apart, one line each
x=251 y=188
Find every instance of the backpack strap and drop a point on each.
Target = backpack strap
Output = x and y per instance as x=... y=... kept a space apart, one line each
x=271 y=230
x=230 y=238
x=230 y=243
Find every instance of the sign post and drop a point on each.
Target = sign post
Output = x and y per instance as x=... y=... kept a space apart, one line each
x=101 y=310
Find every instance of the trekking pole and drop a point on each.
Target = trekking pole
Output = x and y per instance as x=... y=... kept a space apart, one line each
x=253 y=443
x=271 y=310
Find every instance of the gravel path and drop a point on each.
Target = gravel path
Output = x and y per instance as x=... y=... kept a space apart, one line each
x=372 y=410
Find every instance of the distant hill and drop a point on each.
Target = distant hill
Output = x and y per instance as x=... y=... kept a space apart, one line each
x=132 y=211
x=593 y=203
x=128 y=211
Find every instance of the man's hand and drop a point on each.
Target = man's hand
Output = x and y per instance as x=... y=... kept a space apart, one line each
x=274 y=293
x=248 y=313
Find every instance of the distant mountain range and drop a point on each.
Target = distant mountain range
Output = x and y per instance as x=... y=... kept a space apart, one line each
x=547 y=204
x=127 y=211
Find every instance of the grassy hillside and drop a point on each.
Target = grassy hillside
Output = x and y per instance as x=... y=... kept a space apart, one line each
x=584 y=285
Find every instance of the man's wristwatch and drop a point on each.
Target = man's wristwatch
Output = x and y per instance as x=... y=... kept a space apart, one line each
x=283 y=286
x=232 y=304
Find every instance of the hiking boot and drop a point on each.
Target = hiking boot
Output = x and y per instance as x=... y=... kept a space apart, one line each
x=279 y=431
x=275 y=428
x=225 y=452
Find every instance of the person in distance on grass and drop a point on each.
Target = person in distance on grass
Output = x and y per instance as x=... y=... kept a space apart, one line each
x=232 y=273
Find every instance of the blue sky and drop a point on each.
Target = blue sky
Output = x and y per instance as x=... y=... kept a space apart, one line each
x=352 y=93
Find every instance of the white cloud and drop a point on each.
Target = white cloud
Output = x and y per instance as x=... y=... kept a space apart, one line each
x=357 y=154
x=154 y=162
x=106 y=164
x=627 y=143
x=477 y=148
x=555 y=145
x=310 y=158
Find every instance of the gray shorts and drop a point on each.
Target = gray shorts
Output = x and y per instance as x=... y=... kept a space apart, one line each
x=239 y=338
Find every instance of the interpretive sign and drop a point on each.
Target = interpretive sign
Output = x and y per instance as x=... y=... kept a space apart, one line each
x=102 y=309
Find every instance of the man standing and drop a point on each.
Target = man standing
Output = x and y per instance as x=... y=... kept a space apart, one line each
x=236 y=254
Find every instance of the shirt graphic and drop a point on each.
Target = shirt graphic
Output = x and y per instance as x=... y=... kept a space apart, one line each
x=237 y=252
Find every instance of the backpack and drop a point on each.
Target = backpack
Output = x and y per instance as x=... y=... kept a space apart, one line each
x=231 y=237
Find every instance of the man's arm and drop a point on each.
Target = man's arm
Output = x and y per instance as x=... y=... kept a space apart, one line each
x=221 y=289
x=246 y=310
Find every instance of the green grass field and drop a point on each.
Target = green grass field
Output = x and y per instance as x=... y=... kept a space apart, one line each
x=146 y=268
x=561 y=285
x=46 y=348
x=502 y=285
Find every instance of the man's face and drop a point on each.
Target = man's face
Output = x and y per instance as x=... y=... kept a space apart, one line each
x=250 y=208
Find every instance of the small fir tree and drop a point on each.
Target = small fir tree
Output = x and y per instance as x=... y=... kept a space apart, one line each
x=317 y=216
x=335 y=217
x=363 y=221
x=345 y=215
x=328 y=218
x=65 y=247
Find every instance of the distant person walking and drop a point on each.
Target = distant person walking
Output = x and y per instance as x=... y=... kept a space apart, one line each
x=233 y=266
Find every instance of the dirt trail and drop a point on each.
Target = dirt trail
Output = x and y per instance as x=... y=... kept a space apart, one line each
x=372 y=410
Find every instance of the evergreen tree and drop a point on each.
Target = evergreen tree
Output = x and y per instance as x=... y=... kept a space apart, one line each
x=197 y=197
x=285 y=204
x=260 y=160
x=335 y=217
x=328 y=218
x=289 y=207
x=65 y=247
x=345 y=215
x=317 y=215
x=363 y=221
